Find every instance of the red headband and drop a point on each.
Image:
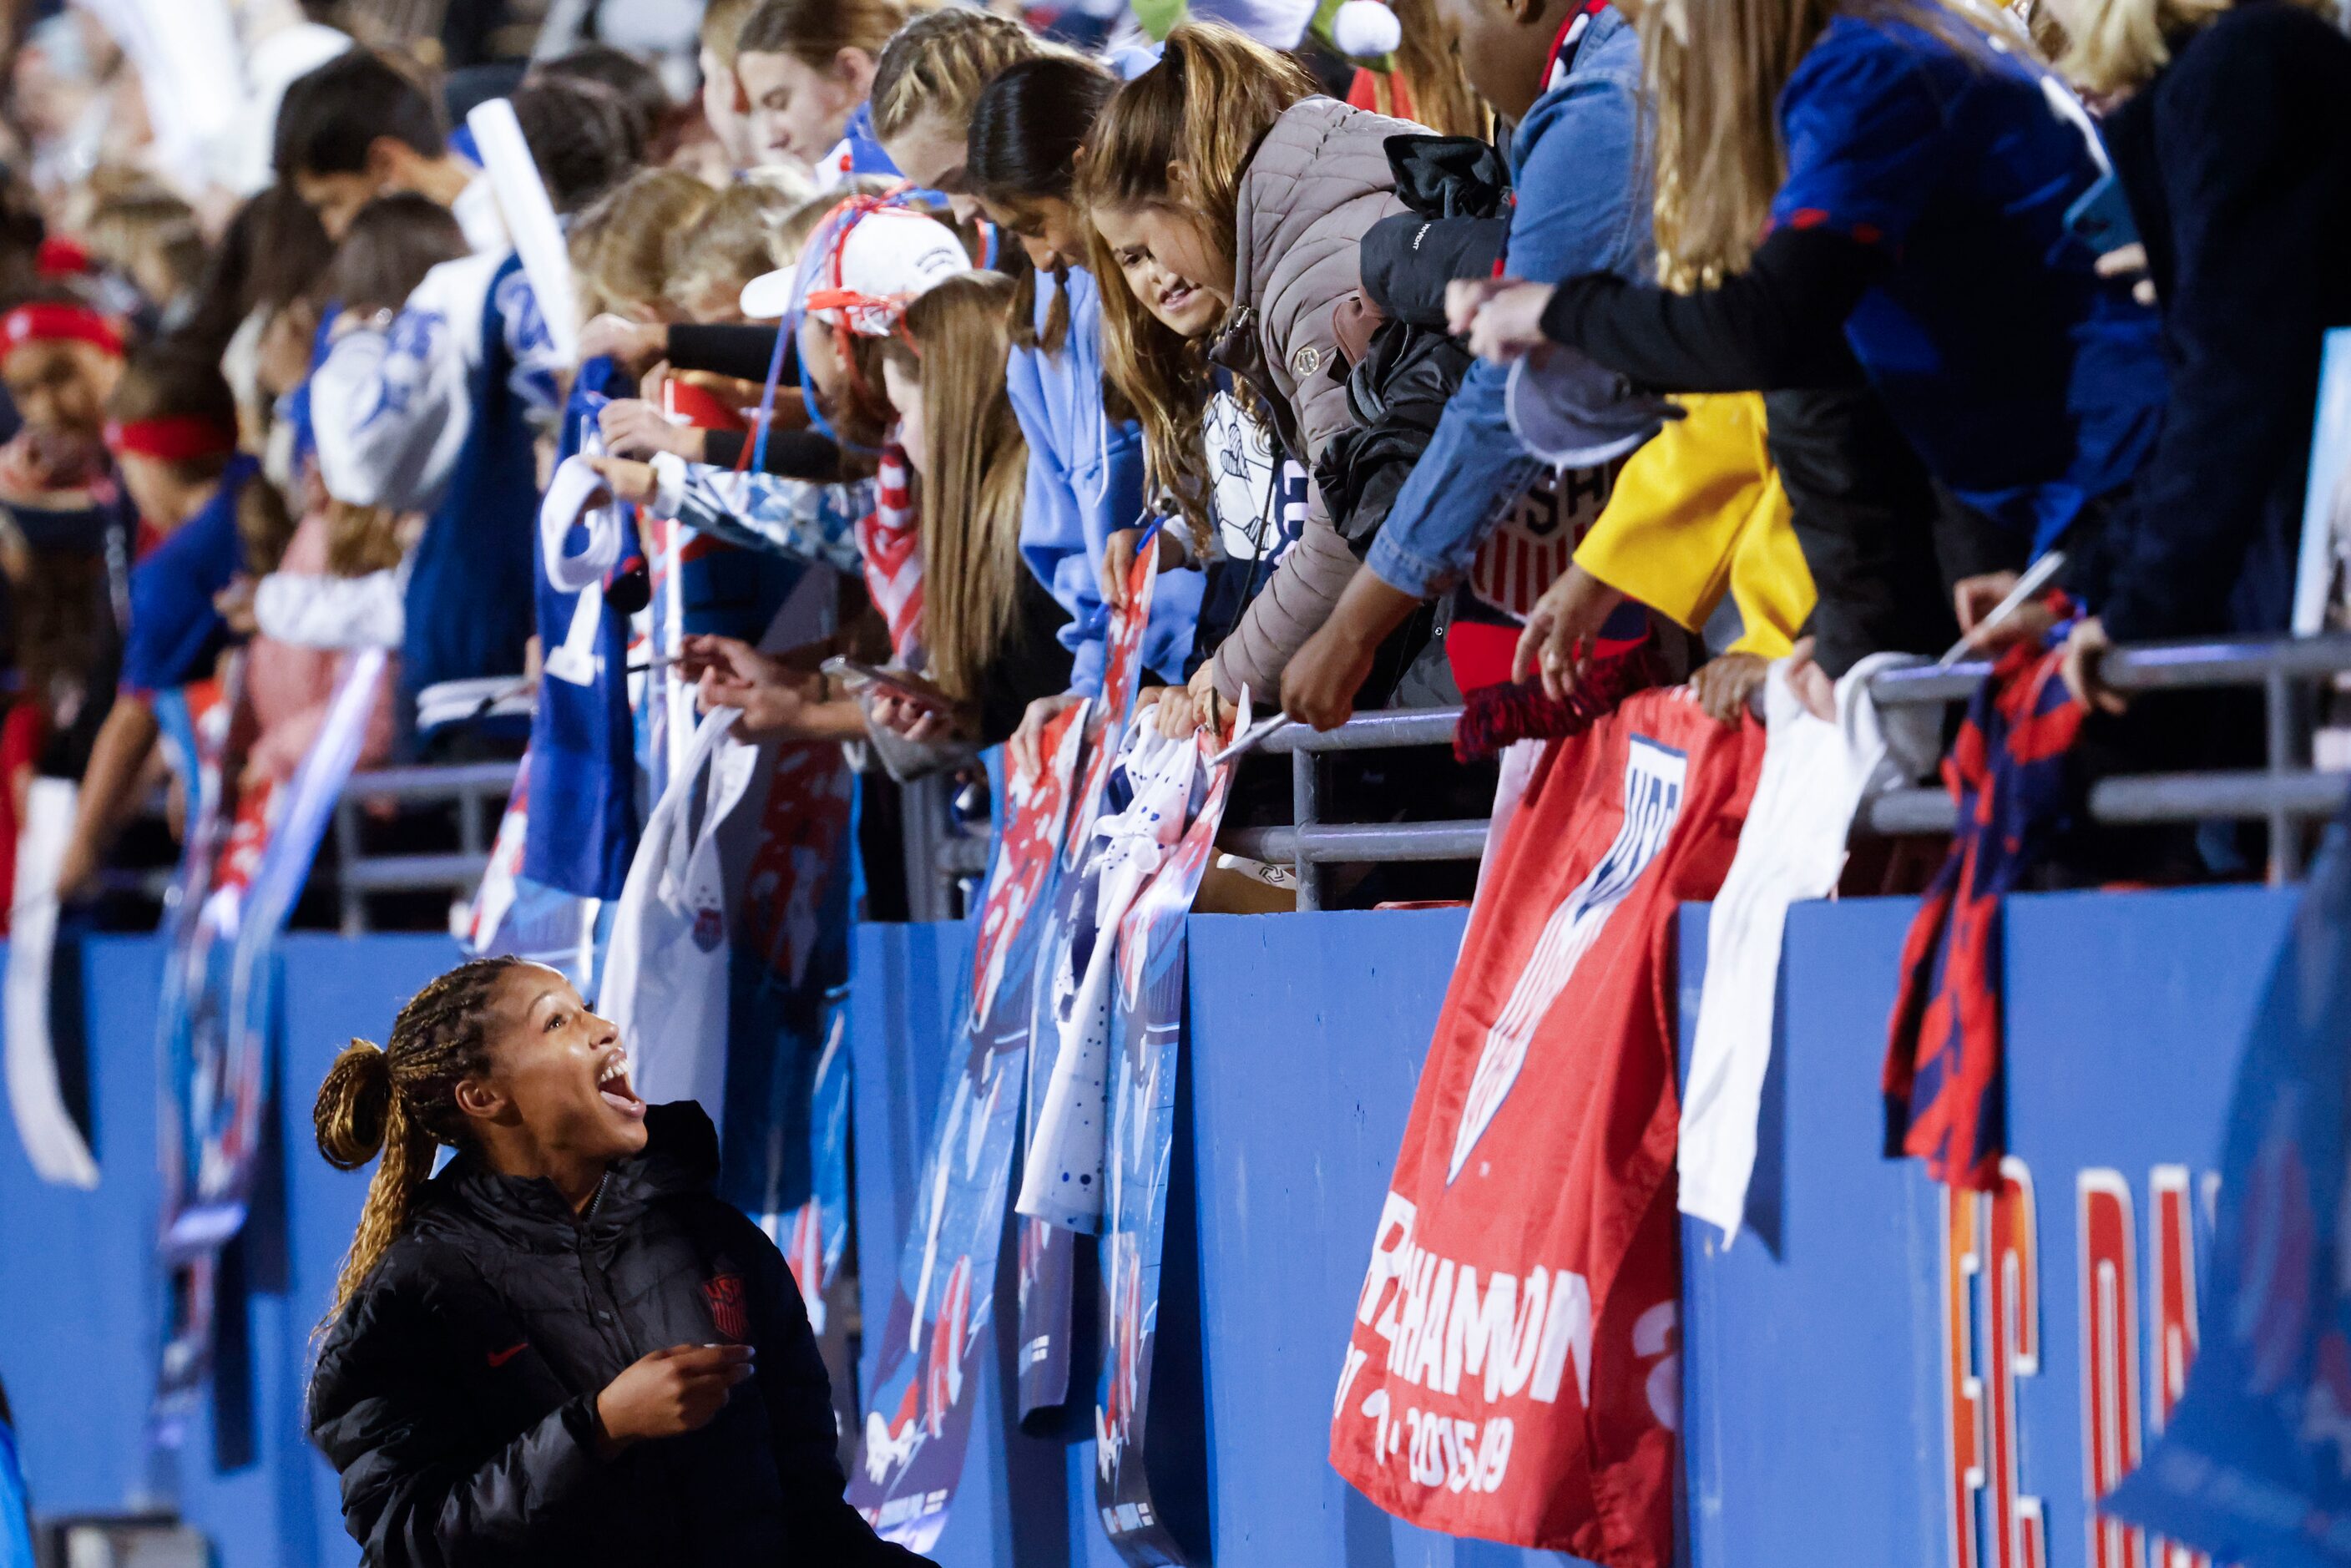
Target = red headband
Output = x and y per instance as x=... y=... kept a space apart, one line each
x=173 y=438
x=60 y=257
x=43 y=323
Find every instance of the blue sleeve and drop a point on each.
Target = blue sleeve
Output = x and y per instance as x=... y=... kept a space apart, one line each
x=175 y=629
x=1582 y=206
x=1865 y=133
x=1054 y=539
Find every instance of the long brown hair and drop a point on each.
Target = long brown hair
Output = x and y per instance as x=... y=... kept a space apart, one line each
x=1428 y=64
x=953 y=341
x=1207 y=105
x=1027 y=130
x=816 y=31
x=1719 y=155
x=399 y=1102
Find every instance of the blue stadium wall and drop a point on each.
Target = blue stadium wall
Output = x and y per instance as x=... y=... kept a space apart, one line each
x=1814 y=1353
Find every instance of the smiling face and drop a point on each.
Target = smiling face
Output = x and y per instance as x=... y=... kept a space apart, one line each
x=1047 y=227
x=1171 y=264
x=797 y=110
x=559 y=1074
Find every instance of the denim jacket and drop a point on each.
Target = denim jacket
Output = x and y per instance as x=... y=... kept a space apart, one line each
x=1580 y=168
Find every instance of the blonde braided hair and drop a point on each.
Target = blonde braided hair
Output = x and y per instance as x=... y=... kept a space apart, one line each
x=401 y=1102
x=940 y=62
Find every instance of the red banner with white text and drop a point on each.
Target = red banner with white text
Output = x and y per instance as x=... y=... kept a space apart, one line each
x=1513 y=1372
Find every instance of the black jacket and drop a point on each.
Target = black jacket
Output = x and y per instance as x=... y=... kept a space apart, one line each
x=456 y=1394
x=2237 y=161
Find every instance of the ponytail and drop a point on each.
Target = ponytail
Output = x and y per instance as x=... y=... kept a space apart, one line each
x=399 y=1102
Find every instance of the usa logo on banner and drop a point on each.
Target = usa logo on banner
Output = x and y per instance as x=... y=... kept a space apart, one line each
x=1512 y=1372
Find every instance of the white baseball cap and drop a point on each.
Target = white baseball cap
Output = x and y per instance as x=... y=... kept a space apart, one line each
x=864 y=264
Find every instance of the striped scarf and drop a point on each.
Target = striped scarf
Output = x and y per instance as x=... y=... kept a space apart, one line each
x=1946 y=1078
x=891 y=550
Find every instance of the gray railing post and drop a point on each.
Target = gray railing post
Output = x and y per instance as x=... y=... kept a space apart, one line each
x=346 y=859
x=469 y=822
x=2286 y=831
x=1306 y=811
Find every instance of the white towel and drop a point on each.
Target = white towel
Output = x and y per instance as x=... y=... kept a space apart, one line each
x=1793 y=847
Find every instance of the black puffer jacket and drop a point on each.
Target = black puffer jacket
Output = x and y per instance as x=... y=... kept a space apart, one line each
x=457 y=1395
x=1399 y=381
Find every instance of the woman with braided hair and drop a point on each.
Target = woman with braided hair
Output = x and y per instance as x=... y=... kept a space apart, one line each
x=564 y=1348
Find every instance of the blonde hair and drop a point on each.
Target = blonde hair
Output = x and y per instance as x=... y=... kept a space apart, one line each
x=953 y=341
x=138 y=231
x=1206 y=104
x=400 y=1102
x=620 y=246
x=814 y=32
x=722 y=23
x=796 y=227
x=726 y=245
x=938 y=63
x=2126 y=44
x=1718 y=156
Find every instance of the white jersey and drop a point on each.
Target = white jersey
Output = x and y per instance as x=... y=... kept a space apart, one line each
x=392 y=409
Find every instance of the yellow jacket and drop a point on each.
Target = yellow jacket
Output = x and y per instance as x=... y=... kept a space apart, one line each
x=1699 y=512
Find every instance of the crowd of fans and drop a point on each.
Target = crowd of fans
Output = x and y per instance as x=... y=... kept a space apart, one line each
x=1428 y=348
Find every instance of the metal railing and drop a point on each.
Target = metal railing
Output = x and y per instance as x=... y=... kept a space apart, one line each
x=479 y=790
x=1309 y=843
x=2285 y=793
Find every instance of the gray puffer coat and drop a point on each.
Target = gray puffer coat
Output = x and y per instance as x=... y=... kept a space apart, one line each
x=1318 y=181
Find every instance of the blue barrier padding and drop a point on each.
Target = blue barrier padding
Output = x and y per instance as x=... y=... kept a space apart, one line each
x=1811 y=1353
x=1814 y=1406
x=79 y=1294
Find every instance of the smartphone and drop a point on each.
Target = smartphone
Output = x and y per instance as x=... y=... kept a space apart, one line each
x=2101 y=216
x=903 y=683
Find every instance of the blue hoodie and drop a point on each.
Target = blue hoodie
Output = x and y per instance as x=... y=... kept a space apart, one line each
x=1085 y=483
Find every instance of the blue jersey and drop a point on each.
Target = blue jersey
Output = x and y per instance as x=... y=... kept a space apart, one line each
x=469 y=589
x=583 y=829
x=2029 y=386
x=175 y=633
